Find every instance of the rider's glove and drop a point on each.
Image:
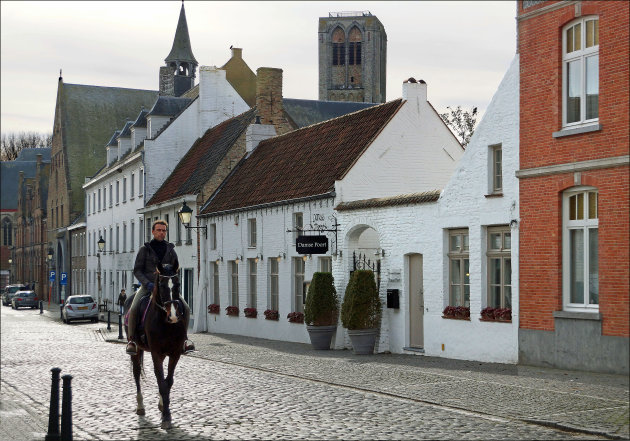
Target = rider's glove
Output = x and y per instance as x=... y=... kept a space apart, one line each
x=150 y=286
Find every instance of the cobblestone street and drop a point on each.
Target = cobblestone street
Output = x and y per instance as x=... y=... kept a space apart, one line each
x=240 y=388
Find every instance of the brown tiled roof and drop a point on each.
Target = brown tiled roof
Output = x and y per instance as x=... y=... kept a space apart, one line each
x=201 y=161
x=302 y=163
x=403 y=199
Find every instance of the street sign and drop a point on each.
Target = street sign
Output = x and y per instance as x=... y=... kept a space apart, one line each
x=311 y=244
x=63 y=280
x=52 y=276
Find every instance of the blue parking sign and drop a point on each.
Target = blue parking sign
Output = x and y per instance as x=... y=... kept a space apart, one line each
x=64 y=279
x=52 y=276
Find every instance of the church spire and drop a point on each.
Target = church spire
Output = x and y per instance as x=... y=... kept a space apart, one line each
x=181 y=50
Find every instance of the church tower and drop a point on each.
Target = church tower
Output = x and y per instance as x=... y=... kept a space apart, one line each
x=178 y=76
x=352 y=57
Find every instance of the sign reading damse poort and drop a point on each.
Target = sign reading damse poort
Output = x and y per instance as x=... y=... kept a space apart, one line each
x=311 y=245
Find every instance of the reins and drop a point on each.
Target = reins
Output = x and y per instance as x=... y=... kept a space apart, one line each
x=157 y=288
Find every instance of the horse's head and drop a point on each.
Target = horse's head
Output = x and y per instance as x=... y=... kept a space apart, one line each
x=166 y=284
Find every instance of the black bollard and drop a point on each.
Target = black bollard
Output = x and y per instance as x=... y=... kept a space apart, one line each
x=53 y=416
x=66 y=409
x=41 y=306
x=120 y=336
x=61 y=311
x=109 y=321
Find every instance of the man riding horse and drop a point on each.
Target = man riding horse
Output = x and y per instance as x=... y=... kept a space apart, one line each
x=149 y=255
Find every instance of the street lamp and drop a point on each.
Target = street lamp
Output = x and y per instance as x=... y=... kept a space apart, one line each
x=10 y=269
x=185 y=213
x=49 y=257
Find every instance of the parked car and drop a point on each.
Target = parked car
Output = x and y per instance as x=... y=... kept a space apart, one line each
x=24 y=299
x=79 y=308
x=9 y=292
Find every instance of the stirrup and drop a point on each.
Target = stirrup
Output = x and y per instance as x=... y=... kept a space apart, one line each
x=132 y=348
x=189 y=347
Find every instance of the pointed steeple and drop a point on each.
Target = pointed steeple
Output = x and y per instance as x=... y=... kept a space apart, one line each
x=181 y=50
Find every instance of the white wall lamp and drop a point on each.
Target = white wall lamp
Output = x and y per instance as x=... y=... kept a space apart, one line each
x=336 y=254
x=238 y=259
x=379 y=253
x=219 y=260
x=258 y=257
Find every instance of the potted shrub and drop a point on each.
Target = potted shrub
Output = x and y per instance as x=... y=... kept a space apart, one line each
x=271 y=314
x=361 y=311
x=214 y=308
x=250 y=312
x=321 y=310
x=232 y=310
x=296 y=317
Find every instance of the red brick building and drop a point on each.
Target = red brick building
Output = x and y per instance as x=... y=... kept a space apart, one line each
x=573 y=183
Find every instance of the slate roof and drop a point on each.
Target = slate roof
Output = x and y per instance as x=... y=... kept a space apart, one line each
x=181 y=50
x=403 y=199
x=10 y=174
x=308 y=112
x=302 y=163
x=141 y=120
x=169 y=105
x=113 y=141
x=201 y=161
x=89 y=116
x=126 y=130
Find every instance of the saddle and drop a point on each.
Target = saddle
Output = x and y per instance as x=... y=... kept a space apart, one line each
x=142 y=311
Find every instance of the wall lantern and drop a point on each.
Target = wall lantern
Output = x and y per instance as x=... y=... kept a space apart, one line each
x=238 y=259
x=219 y=259
x=10 y=261
x=50 y=254
x=185 y=213
x=101 y=246
x=258 y=257
x=282 y=255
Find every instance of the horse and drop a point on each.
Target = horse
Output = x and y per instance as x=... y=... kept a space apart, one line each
x=165 y=331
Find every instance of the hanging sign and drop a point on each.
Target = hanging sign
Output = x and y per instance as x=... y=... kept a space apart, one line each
x=311 y=245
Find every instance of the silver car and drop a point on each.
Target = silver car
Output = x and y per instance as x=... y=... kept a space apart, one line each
x=9 y=292
x=79 y=308
x=24 y=299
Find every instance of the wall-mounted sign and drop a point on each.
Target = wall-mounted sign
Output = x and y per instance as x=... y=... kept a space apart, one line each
x=311 y=245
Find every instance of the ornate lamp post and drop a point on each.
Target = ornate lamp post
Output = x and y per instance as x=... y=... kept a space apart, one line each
x=10 y=269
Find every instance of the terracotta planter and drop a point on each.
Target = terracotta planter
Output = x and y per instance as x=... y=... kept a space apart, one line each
x=363 y=340
x=321 y=336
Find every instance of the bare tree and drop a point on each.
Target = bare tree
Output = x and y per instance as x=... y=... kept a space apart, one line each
x=461 y=122
x=12 y=143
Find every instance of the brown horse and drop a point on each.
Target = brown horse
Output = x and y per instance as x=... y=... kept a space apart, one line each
x=165 y=331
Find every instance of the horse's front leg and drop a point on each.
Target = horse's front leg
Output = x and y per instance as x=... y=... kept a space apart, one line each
x=158 y=368
x=166 y=412
x=136 y=361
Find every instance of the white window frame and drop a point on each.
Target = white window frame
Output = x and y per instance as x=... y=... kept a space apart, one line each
x=132 y=189
x=586 y=225
x=504 y=254
x=233 y=268
x=461 y=254
x=252 y=282
x=124 y=190
x=117 y=192
x=299 y=270
x=141 y=182
x=495 y=169
x=132 y=231
x=325 y=264
x=578 y=55
x=274 y=283
x=298 y=223
x=216 y=298
x=213 y=236
x=251 y=232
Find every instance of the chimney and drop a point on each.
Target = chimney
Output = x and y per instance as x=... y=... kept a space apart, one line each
x=257 y=132
x=269 y=95
x=237 y=52
x=414 y=90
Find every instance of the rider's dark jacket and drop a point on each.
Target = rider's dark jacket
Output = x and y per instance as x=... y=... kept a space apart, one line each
x=147 y=261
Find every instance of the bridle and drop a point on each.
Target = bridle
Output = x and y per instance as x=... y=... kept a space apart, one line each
x=164 y=307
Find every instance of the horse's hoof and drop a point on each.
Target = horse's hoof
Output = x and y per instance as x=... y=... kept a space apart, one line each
x=140 y=412
x=166 y=425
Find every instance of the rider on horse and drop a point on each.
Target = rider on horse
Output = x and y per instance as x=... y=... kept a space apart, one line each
x=149 y=255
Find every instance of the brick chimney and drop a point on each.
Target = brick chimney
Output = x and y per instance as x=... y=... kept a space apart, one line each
x=269 y=95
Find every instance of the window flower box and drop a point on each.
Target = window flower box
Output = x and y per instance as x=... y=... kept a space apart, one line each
x=271 y=314
x=296 y=317
x=214 y=309
x=250 y=312
x=456 y=313
x=232 y=310
x=496 y=315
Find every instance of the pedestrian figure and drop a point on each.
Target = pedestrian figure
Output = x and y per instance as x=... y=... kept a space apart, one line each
x=122 y=297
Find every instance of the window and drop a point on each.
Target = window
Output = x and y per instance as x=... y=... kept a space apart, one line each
x=132 y=190
x=104 y=198
x=495 y=156
x=117 y=192
x=178 y=232
x=338 y=48
x=459 y=276
x=111 y=239
x=7 y=232
x=252 y=291
x=188 y=235
x=140 y=182
x=188 y=288
x=298 y=225
x=213 y=236
x=233 y=266
x=111 y=200
x=325 y=264
x=99 y=199
x=354 y=55
x=215 y=283
x=273 y=283
x=580 y=263
x=124 y=238
x=251 y=232
x=167 y=229
x=580 y=51
x=499 y=267
x=298 y=283
x=94 y=203
x=124 y=190
x=132 y=240
x=140 y=231
x=117 y=238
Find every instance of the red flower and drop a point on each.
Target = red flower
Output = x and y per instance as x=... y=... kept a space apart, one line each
x=271 y=314
x=296 y=317
x=232 y=310
x=250 y=312
x=214 y=308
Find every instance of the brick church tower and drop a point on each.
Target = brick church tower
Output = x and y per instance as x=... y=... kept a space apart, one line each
x=352 y=57
x=178 y=76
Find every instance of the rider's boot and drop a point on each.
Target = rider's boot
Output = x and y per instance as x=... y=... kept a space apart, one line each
x=189 y=346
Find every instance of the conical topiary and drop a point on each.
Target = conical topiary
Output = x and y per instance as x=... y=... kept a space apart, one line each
x=322 y=304
x=361 y=308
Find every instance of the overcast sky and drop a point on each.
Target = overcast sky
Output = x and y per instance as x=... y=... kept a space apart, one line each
x=461 y=49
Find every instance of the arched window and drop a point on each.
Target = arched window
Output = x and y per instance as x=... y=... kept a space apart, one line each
x=580 y=54
x=354 y=47
x=7 y=229
x=338 y=47
x=580 y=256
